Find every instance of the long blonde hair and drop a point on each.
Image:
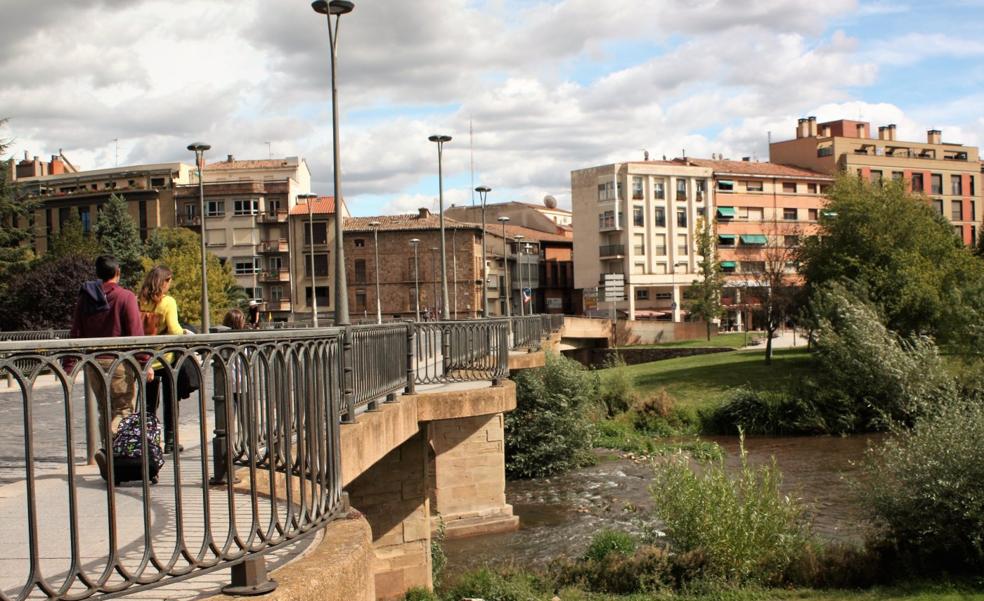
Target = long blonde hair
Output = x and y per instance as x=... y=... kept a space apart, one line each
x=152 y=290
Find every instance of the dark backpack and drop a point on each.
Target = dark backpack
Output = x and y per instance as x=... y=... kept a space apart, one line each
x=128 y=451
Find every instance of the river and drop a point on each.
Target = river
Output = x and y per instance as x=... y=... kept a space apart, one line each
x=558 y=516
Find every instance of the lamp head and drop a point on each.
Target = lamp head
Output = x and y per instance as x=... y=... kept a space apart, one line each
x=483 y=189
x=519 y=237
x=335 y=7
x=415 y=241
x=439 y=138
x=503 y=219
x=373 y=224
x=198 y=147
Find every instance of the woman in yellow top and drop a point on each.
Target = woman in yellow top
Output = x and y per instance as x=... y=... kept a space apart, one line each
x=160 y=316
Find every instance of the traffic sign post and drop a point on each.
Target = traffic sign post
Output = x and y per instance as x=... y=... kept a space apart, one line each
x=613 y=287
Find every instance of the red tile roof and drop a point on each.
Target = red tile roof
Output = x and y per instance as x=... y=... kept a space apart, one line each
x=323 y=205
x=249 y=164
x=412 y=221
x=766 y=169
x=528 y=234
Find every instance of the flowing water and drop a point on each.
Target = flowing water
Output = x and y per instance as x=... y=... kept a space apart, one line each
x=559 y=516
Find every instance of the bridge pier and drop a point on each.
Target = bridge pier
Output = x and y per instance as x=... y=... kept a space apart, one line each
x=393 y=497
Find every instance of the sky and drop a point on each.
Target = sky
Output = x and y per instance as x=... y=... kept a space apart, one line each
x=546 y=86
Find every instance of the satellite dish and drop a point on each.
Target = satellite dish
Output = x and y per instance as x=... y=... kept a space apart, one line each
x=550 y=202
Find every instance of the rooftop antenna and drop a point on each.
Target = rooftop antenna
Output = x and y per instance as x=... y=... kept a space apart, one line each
x=116 y=142
x=269 y=150
x=471 y=150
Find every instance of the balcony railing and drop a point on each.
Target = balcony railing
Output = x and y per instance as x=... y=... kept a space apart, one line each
x=189 y=220
x=282 y=275
x=273 y=246
x=272 y=217
x=611 y=250
x=459 y=351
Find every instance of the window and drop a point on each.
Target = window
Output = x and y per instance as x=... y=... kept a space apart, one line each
x=360 y=271
x=754 y=214
x=876 y=176
x=86 y=219
x=142 y=219
x=322 y=296
x=606 y=192
x=812 y=214
x=606 y=220
x=246 y=265
x=938 y=205
x=639 y=267
x=246 y=207
x=681 y=189
x=251 y=292
x=637 y=217
x=683 y=249
x=659 y=217
x=789 y=187
x=701 y=188
x=215 y=237
x=157 y=182
x=275 y=264
x=639 y=244
x=973 y=210
x=791 y=241
x=917 y=182
x=726 y=239
x=190 y=211
x=659 y=189
x=956 y=210
x=811 y=188
x=659 y=245
x=682 y=217
x=276 y=293
x=724 y=185
x=244 y=236
x=636 y=187
x=958 y=231
x=789 y=214
x=320 y=233
x=972 y=180
x=752 y=266
x=214 y=208
x=63 y=217
x=360 y=301
x=956 y=185
x=320 y=264
x=273 y=207
x=642 y=293
x=754 y=186
x=936 y=184
x=360 y=242
x=897 y=176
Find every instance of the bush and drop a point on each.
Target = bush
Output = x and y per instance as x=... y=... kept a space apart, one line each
x=811 y=411
x=658 y=415
x=617 y=393
x=925 y=489
x=493 y=586
x=549 y=432
x=44 y=296
x=646 y=569
x=420 y=594
x=744 y=527
x=609 y=542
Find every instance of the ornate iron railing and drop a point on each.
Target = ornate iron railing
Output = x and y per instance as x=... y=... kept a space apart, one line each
x=379 y=362
x=528 y=332
x=460 y=351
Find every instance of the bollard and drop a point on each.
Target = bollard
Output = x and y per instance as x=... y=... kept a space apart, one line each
x=411 y=376
x=250 y=578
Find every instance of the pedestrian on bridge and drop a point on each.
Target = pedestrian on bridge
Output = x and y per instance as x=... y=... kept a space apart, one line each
x=159 y=314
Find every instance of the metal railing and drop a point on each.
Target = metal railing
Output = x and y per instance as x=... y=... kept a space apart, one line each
x=379 y=362
x=460 y=351
x=80 y=537
x=528 y=332
x=33 y=335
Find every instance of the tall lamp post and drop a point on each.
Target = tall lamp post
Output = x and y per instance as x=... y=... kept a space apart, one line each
x=434 y=250
x=199 y=149
x=314 y=287
x=440 y=140
x=416 y=275
x=483 y=193
x=505 y=267
x=375 y=245
x=519 y=272
x=336 y=8
x=529 y=276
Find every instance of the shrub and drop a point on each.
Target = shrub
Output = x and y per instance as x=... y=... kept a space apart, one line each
x=420 y=594
x=619 y=434
x=617 y=393
x=810 y=410
x=658 y=415
x=608 y=542
x=494 y=586
x=645 y=569
x=925 y=489
x=549 y=432
x=439 y=560
x=744 y=527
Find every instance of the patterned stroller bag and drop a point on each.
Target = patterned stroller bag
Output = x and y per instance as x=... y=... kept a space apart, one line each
x=128 y=452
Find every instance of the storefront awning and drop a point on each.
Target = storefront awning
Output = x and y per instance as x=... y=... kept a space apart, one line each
x=753 y=239
x=727 y=237
x=728 y=264
x=728 y=212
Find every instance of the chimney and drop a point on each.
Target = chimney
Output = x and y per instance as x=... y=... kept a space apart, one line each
x=882 y=132
x=825 y=131
x=811 y=121
x=56 y=167
x=862 y=133
x=801 y=128
x=423 y=213
x=230 y=158
x=891 y=131
x=934 y=136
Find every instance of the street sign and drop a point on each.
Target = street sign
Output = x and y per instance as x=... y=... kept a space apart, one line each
x=613 y=287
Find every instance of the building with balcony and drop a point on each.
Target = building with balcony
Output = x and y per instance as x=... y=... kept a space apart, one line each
x=308 y=274
x=247 y=203
x=948 y=174
x=62 y=191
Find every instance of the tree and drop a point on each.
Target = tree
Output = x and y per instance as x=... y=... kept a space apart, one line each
x=179 y=250
x=44 y=296
x=704 y=294
x=73 y=241
x=118 y=236
x=890 y=248
x=14 y=228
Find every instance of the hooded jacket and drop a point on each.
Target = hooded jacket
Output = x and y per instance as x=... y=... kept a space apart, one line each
x=106 y=310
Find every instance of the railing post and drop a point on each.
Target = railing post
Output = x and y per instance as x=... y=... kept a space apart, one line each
x=411 y=373
x=220 y=455
x=446 y=348
x=249 y=578
x=92 y=443
x=348 y=393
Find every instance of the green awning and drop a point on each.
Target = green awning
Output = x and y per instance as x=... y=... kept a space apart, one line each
x=728 y=212
x=727 y=237
x=754 y=239
x=728 y=264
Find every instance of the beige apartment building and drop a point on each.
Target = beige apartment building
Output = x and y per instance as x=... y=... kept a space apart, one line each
x=639 y=219
x=948 y=174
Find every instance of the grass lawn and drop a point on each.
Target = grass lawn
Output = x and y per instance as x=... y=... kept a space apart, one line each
x=731 y=340
x=928 y=593
x=705 y=380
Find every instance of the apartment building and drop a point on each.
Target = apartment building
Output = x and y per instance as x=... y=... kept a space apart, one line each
x=639 y=219
x=247 y=203
x=307 y=276
x=61 y=190
x=948 y=174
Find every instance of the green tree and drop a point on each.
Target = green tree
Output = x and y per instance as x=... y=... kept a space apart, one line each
x=118 y=236
x=44 y=296
x=73 y=241
x=704 y=294
x=14 y=214
x=892 y=249
x=179 y=249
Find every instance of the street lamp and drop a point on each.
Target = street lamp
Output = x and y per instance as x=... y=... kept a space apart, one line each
x=529 y=276
x=505 y=266
x=415 y=242
x=519 y=272
x=434 y=250
x=314 y=287
x=199 y=149
x=440 y=140
x=483 y=193
x=375 y=245
x=336 y=8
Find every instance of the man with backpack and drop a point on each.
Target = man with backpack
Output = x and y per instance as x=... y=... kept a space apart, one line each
x=105 y=309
